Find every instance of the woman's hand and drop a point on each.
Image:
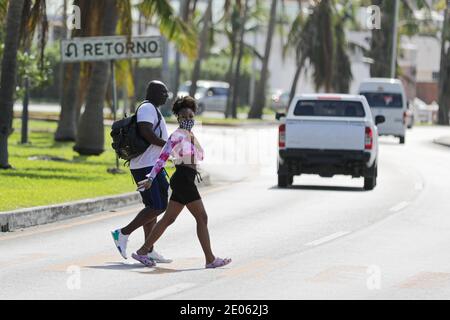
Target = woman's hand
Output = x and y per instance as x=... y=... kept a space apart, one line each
x=144 y=185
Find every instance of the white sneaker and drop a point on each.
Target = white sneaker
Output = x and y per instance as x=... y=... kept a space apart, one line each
x=158 y=258
x=121 y=241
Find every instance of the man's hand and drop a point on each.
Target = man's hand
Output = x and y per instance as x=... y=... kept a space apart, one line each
x=144 y=185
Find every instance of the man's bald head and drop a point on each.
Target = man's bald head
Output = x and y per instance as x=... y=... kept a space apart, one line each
x=157 y=93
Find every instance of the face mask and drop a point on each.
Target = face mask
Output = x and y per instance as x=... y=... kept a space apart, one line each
x=187 y=124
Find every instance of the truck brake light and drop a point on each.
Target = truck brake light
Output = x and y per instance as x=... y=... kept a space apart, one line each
x=368 y=141
x=282 y=136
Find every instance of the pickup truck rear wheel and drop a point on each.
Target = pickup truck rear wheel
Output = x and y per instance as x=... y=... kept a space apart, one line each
x=402 y=140
x=370 y=182
x=283 y=181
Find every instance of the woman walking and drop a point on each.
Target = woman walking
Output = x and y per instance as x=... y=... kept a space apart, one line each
x=187 y=152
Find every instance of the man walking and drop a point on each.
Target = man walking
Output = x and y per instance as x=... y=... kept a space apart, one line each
x=152 y=127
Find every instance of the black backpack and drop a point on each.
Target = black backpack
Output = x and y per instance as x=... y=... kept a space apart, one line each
x=127 y=142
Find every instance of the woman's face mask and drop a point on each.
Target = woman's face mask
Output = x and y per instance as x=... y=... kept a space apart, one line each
x=186 y=124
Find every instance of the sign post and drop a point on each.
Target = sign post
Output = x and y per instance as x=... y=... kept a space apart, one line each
x=111 y=49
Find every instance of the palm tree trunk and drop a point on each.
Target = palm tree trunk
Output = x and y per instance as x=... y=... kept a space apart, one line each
x=444 y=79
x=260 y=96
x=295 y=82
x=8 y=76
x=67 y=124
x=184 y=13
x=91 y=139
x=69 y=116
x=202 y=50
x=228 y=108
x=381 y=43
x=237 y=72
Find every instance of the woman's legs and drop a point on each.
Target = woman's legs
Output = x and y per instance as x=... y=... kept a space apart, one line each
x=198 y=211
x=173 y=210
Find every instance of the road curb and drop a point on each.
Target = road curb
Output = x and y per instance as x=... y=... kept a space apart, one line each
x=443 y=141
x=29 y=217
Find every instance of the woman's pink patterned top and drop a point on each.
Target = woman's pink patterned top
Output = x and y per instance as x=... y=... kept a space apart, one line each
x=184 y=148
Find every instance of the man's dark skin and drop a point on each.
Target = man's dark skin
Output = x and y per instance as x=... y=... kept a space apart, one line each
x=157 y=94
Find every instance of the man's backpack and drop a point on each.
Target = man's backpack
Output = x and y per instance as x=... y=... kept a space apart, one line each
x=127 y=142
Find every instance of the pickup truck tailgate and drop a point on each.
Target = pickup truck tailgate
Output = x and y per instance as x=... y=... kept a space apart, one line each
x=325 y=134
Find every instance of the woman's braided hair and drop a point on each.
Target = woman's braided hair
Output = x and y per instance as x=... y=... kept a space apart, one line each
x=184 y=103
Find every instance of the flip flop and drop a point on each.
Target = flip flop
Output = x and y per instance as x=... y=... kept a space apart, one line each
x=218 y=262
x=145 y=260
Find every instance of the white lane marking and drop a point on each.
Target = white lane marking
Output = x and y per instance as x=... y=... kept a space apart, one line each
x=165 y=292
x=400 y=206
x=327 y=238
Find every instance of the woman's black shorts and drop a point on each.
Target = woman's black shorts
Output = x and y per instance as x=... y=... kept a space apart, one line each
x=183 y=186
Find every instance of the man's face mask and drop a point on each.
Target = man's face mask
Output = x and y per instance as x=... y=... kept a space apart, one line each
x=187 y=124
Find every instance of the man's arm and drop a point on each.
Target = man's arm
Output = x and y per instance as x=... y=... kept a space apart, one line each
x=146 y=131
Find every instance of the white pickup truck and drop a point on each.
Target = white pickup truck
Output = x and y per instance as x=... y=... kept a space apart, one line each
x=328 y=135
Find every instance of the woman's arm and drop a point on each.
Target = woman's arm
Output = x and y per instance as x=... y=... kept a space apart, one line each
x=164 y=155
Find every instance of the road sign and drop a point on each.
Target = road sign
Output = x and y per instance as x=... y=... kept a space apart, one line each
x=110 y=48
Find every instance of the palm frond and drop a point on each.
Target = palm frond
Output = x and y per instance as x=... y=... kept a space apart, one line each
x=170 y=25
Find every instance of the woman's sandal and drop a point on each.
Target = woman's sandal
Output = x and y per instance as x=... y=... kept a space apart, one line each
x=218 y=262
x=145 y=260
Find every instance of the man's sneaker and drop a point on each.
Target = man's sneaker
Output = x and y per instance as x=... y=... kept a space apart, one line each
x=158 y=258
x=121 y=241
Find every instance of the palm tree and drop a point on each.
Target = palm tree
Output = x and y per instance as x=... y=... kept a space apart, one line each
x=8 y=76
x=187 y=8
x=237 y=17
x=382 y=39
x=320 y=40
x=22 y=19
x=444 y=79
x=260 y=96
x=203 y=45
x=237 y=73
x=90 y=138
x=68 y=118
x=300 y=39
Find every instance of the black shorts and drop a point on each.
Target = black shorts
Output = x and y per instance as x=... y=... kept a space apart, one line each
x=183 y=186
x=157 y=196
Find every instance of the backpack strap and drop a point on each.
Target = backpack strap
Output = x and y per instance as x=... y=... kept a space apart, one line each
x=158 y=124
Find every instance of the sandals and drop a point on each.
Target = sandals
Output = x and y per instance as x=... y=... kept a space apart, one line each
x=218 y=262
x=145 y=260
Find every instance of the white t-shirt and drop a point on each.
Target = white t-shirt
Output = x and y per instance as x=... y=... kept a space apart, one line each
x=147 y=113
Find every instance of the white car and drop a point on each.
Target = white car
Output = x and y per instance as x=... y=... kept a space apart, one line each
x=328 y=135
x=387 y=97
x=211 y=95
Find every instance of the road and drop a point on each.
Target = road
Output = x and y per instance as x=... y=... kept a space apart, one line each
x=320 y=239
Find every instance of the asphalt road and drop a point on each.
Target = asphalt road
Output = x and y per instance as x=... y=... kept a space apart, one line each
x=320 y=239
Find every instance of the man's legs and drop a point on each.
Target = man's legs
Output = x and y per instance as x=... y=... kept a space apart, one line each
x=145 y=216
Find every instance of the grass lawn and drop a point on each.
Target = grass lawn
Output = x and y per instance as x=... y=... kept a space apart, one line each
x=43 y=182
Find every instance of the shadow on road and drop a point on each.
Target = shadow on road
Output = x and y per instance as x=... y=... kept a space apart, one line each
x=116 y=266
x=159 y=270
x=130 y=266
x=320 y=188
